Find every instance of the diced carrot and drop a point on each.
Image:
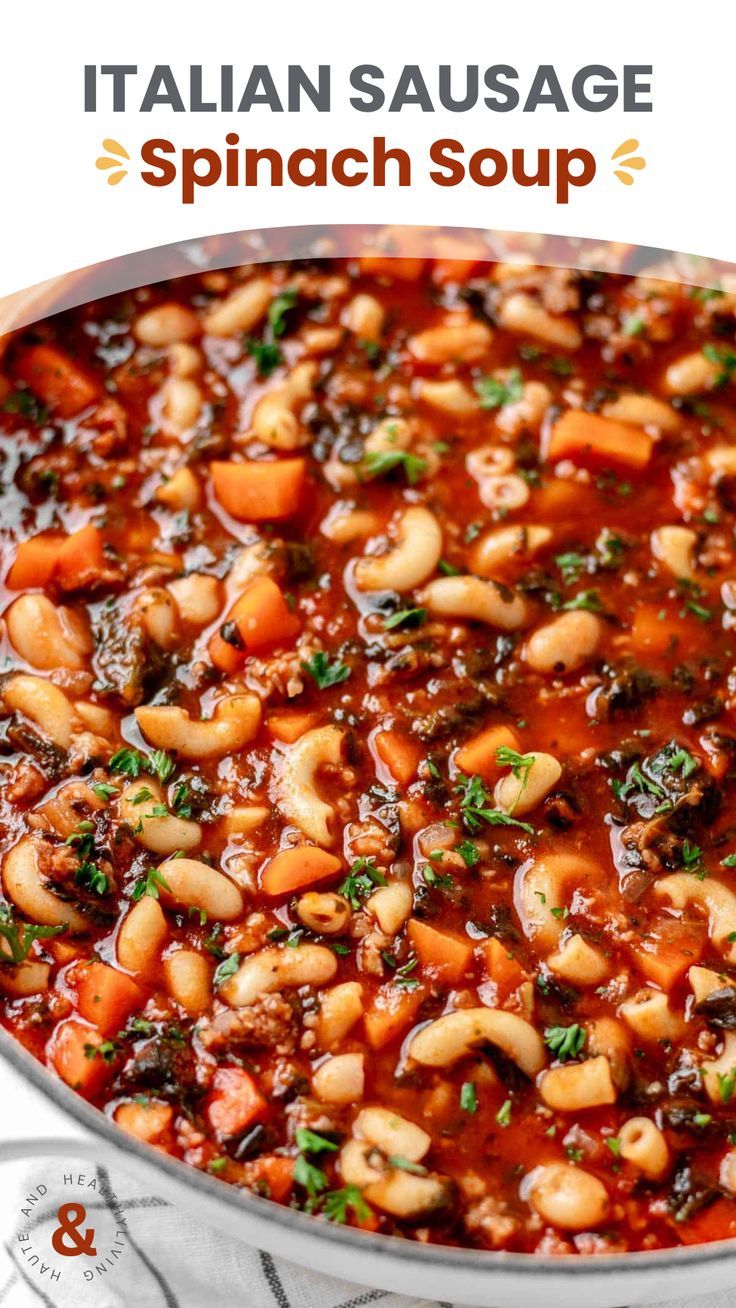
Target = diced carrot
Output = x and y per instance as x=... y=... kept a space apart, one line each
x=653 y=631
x=272 y=1174
x=71 y=1050
x=262 y=615
x=716 y=1222
x=288 y=725
x=259 y=492
x=301 y=865
x=80 y=559
x=61 y=950
x=235 y=1102
x=558 y=499
x=148 y=1121
x=56 y=379
x=478 y=755
x=446 y=956
x=225 y=657
x=105 y=996
x=589 y=438
x=140 y=533
x=502 y=967
x=716 y=755
x=668 y=950
x=391 y=1014
x=400 y=755
x=34 y=563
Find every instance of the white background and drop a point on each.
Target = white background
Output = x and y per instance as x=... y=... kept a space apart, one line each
x=58 y=213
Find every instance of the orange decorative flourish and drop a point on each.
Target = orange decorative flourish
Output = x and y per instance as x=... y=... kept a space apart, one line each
x=635 y=161
x=105 y=161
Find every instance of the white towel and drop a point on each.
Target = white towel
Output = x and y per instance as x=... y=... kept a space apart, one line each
x=166 y=1259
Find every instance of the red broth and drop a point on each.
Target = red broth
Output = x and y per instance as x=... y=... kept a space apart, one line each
x=367 y=740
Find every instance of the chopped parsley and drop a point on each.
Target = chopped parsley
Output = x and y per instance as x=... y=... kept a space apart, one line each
x=226 y=969
x=87 y=874
x=130 y=762
x=571 y=565
x=104 y=790
x=634 y=325
x=691 y=859
x=150 y=884
x=724 y=358
x=267 y=355
x=406 y=1165
x=474 y=809
x=589 y=600
x=679 y=760
x=361 y=881
x=106 y=1051
x=323 y=672
x=493 y=393
x=469 y=853
x=25 y=403
x=520 y=764
x=698 y=610
x=565 y=1041
x=436 y=880
x=503 y=1116
x=312 y=1178
x=89 y=877
x=336 y=1205
x=609 y=548
x=19 y=937
x=705 y=293
x=468 y=1097
x=280 y=306
x=307 y=1174
x=402 y=975
x=181 y=804
x=377 y=463
x=309 y=1142
x=727 y=1085
x=405 y=618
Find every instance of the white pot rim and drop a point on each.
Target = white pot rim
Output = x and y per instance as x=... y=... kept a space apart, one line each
x=389 y=1262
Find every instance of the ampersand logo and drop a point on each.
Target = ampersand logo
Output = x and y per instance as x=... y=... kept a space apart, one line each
x=72 y=1210
x=70 y=1218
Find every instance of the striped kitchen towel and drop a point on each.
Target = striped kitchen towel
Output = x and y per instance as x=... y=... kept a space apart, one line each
x=150 y=1254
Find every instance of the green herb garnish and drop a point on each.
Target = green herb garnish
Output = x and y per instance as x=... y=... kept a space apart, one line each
x=361 y=881
x=377 y=463
x=150 y=884
x=493 y=393
x=565 y=1041
x=468 y=1097
x=323 y=672
x=474 y=807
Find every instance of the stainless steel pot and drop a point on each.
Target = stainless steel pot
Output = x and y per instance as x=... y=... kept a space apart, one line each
x=71 y=1127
